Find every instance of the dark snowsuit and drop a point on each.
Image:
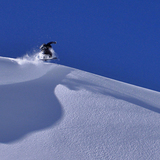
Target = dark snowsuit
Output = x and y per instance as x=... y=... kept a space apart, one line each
x=46 y=48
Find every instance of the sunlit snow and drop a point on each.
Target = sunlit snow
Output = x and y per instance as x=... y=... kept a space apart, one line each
x=53 y=112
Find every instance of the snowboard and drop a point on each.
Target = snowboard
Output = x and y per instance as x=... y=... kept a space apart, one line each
x=45 y=57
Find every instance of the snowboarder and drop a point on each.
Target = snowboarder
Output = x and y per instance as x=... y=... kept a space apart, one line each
x=46 y=48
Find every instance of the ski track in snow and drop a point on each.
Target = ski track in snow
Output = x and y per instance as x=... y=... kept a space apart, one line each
x=49 y=111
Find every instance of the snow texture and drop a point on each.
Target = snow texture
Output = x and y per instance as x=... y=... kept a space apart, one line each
x=49 y=111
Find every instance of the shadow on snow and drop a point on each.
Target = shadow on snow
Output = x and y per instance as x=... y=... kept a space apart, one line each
x=76 y=84
x=29 y=106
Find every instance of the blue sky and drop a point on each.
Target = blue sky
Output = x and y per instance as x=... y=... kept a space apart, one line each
x=116 y=39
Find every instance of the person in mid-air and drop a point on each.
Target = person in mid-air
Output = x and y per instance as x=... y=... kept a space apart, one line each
x=46 y=48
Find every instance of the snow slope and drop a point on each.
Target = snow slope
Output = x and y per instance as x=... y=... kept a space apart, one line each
x=53 y=112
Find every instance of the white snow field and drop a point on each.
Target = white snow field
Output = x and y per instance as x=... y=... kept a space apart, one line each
x=53 y=112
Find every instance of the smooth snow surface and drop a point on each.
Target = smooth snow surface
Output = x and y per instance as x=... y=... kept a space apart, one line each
x=52 y=112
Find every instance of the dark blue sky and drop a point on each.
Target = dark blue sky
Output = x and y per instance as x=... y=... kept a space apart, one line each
x=117 y=39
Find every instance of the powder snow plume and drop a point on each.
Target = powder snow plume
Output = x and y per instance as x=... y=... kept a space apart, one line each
x=29 y=59
x=32 y=58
